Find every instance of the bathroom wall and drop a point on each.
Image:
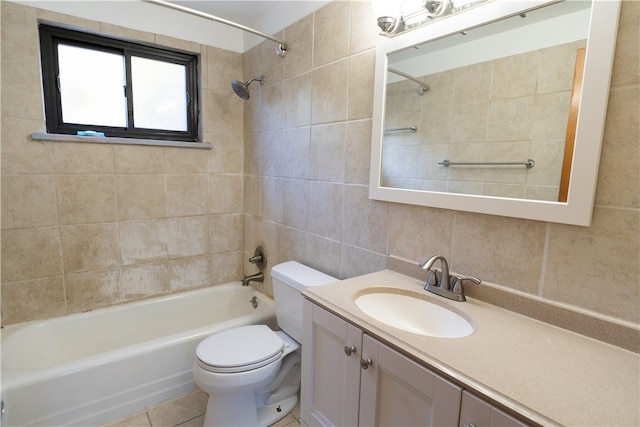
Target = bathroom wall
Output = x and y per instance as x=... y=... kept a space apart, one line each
x=85 y=226
x=505 y=122
x=307 y=138
x=91 y=225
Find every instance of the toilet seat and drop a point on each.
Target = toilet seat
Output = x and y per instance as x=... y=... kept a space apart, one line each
x=239 y=349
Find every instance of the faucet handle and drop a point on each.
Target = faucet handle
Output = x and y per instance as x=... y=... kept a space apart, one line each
x=458 y=288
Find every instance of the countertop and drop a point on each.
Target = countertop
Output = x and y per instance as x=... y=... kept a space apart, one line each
x=547 y=374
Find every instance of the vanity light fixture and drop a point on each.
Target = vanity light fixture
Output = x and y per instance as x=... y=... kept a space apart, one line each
x=397 y=16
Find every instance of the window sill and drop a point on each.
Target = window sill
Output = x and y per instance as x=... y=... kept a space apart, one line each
x=113 y=140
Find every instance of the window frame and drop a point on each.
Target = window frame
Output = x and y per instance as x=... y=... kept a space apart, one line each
x=51 y=36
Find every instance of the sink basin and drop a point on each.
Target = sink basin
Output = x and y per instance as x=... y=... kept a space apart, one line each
x=414 y=314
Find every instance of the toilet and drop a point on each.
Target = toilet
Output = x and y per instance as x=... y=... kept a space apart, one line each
x=252 y=373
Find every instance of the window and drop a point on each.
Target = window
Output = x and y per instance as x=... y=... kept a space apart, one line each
x=120 y=88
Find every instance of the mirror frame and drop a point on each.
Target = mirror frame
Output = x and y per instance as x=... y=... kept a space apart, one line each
x=589 y=131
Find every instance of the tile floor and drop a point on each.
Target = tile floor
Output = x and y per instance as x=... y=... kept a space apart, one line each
x=186 y=411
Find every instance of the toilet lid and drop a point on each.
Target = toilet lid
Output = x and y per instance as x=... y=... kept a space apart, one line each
x=240 y=349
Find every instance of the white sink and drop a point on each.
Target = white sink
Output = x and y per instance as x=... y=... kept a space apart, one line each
x=413 y=314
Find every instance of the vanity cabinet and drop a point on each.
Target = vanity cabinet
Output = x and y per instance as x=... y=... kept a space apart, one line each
x=476 y=412
x=350 y=378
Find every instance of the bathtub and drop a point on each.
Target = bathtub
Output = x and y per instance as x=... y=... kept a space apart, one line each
x=95 y=367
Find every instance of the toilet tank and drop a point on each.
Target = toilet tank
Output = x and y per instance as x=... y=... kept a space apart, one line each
x=289 y=280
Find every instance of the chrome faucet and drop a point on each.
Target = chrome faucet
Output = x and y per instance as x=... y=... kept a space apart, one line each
x=442 y=286
x=258 y=277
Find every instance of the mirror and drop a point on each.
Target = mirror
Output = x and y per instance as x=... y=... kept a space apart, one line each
x=496 y=110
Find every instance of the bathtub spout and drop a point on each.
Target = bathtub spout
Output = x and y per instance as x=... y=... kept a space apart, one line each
x=258 y=277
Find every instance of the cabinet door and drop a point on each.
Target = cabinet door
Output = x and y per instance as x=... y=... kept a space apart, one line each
x=330 y=377
x=476 y=412
x=396 y=391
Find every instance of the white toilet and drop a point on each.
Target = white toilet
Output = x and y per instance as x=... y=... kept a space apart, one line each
x=251 y=373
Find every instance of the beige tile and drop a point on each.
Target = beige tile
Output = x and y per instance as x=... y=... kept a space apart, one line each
x=500 y=250
x=226 y=267
x=619 y=175
x=140 y=196
x=331 y=34
x=269 y=63
x=137 y=420
x=550 y=115
x=51 y=16
x=597 y=267
x=329 y=94
x=295 y=196
x=626 y=61
x=370 y=234
x=30 y=253
x=327 y=152
x=510 y=119
x=143 y=241
x=297 y=101
x=226 y=193
x=223 y=66
x=138 y=159
x=179 y=410
x=358 y=152
x=28 y=201
x=186 y=161
x=555 y=67
x=514 y=76
x=299 y=37
x=179 y=44
x=190 y=273
x=272 y=107
x=91 y=290
x=417 y=233
x=187 y=194
x=32 y=299
x=471 y=122
x=292 y=159
x=361 y=82
x=89 y=247
x=20 y=154
x=86 y=199
x=21 y=85
x=323 y=254
x=325 y=209
x=252 y=195
x=356 y=262
x=291 y=244
x=81 y=158
x=225 y=233
x=222 y=110
x=271 y=199
x=188 y=236
x=111 y=30
x=226 y=156
x=146 y=280
x=472 y=83
x=364 y=28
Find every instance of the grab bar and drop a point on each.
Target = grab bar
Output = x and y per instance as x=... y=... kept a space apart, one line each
x=412 y=129
x=528 y=164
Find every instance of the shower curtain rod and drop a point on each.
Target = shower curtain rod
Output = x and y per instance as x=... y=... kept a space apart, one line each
x=282 y=46
x=423 y=86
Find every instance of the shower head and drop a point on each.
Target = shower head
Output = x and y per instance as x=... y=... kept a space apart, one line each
x=242 y=89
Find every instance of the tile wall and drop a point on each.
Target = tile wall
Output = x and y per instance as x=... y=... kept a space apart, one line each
x=303 y=176
x=307 y=153
x=91 y=225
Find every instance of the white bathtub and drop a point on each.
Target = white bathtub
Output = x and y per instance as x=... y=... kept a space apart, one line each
x=92 y=368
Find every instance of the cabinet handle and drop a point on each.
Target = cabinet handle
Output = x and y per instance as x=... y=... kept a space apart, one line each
x=469 y=425
x=349 y=349
x=365 y=363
